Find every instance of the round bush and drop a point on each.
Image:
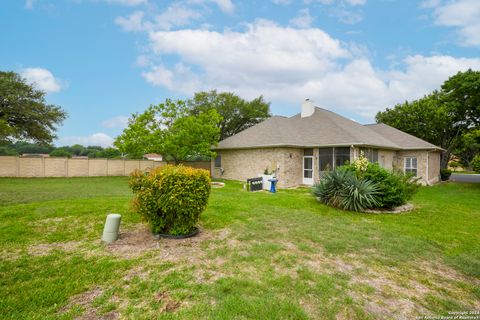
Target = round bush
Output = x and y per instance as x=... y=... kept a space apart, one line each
x=445 y=174
x=171 y=198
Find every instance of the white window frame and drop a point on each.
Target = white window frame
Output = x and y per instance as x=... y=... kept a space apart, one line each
x=410 y=167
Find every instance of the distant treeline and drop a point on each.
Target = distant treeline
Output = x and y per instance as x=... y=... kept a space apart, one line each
x=19 y=148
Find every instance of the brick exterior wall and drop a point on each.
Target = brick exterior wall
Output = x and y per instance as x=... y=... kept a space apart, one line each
x=249 y=163
x=422 y=156
x=242 y=164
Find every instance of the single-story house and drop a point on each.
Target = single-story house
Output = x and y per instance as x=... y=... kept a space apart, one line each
x=300 y=148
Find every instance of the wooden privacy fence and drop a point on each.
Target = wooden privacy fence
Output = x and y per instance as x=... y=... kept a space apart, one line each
x=65 y=167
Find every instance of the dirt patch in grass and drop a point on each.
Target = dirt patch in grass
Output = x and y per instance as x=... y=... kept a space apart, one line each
x=44 y=249
x=399 y=292
x=140 y=240
x=85 y=302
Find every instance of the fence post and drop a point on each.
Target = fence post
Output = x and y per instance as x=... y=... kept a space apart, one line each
x=66 y=167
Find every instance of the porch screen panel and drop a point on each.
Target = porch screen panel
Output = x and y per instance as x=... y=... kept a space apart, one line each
x=308 y=167
x=325 y=158
x=342 y=156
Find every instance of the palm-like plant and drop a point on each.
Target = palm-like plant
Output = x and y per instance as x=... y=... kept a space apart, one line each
x=342 y=189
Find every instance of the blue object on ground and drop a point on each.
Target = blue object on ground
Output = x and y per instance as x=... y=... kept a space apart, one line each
x=273 y=183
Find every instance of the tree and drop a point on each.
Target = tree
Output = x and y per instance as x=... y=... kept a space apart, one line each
x=237 y=113
x=61 y=152
x=170 y=130
x=468 y=147
x=24 y=114
x=442 y=117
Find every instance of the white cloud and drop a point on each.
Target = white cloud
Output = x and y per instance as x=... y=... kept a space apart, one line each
x=29 y=4
x=176 y=15
x=96 y=139
x=116 y=122
x=42 y=79
x=302 y=20
x=287 y=65
x=225 y=5
x=345 y=15
x=282 y=2
x=133 y=22
x=128 y=2
x=464 y=15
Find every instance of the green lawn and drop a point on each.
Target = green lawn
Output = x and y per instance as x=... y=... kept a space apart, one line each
x=258 y=256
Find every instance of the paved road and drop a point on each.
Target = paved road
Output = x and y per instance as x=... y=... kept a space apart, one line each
x=472 y=178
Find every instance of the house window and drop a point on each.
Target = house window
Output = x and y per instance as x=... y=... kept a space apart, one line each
x=218 y=161
x=331 y=158
x=325 y=157
x=308 y=152
x=410 y=165
x=342 y=156
x=370 y=154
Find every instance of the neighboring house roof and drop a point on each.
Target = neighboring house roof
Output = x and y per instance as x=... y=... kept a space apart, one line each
x=153 y=156
x=322 y=128
x=36 y=155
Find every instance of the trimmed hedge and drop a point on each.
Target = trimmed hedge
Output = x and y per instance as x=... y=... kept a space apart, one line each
x=171 y=198
x=445 y=174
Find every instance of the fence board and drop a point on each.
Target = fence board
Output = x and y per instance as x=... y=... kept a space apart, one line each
x=63 y=167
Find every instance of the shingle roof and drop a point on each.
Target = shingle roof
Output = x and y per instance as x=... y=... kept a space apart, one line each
x=322 y=128
x=400 y=138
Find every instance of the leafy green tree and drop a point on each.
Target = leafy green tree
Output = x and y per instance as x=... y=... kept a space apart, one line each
x=24 y=113
x=110 y=153
x=476 y=163
x=237 y=113
x=442 y=117
x=170 y=130
x=468 y=146
x=61 y=152
x=76 y=149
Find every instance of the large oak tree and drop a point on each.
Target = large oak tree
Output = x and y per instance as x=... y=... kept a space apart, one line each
x=237 y=114
x=443 y=117
x=24 y=113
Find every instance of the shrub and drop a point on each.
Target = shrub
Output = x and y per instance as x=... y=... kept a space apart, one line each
x=171 y=198
x=394 y=187
x=445 y=174
x=342 y=189
x=476 y=163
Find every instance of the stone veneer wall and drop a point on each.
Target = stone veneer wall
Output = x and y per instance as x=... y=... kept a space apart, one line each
x=422 y=156
x=386 y=158
x=434 y=167
x=242 y=164
x=249 y=163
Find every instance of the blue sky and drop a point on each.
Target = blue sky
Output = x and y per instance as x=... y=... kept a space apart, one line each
x=102 y=60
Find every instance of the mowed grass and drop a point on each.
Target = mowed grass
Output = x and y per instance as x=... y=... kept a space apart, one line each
x=258 y=256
